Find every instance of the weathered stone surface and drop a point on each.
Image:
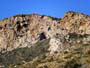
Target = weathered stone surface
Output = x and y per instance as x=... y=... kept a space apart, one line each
x=37 y=41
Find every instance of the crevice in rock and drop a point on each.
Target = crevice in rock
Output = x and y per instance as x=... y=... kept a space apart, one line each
x=42 y=36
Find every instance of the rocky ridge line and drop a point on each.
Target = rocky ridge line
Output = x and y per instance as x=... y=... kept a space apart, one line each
x=38 y=41
x=25 y=30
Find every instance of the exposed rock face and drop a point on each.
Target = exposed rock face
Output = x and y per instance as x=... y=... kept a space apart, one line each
x=22 y=30
x=45 y=36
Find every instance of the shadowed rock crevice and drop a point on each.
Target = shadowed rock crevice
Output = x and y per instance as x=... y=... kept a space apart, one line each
x=42 y=36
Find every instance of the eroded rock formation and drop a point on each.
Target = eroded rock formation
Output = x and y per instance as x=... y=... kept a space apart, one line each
x=38 y=41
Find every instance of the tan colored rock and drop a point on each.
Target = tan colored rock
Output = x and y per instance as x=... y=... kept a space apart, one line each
x=24 y=30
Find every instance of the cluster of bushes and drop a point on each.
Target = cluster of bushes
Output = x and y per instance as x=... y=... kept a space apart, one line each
x=54 y=18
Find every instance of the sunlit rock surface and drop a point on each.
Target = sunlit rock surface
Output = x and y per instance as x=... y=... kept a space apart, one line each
x=39 y=41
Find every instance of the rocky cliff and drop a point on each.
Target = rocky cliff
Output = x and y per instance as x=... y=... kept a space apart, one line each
x=39 y=41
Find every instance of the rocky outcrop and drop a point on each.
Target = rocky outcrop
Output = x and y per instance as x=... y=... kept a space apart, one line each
x=22 y=30
x=38 y=41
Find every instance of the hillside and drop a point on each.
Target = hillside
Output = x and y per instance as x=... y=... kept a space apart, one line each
x=39 y=41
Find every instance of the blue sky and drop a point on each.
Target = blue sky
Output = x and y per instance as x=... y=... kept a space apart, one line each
x=55 y=8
